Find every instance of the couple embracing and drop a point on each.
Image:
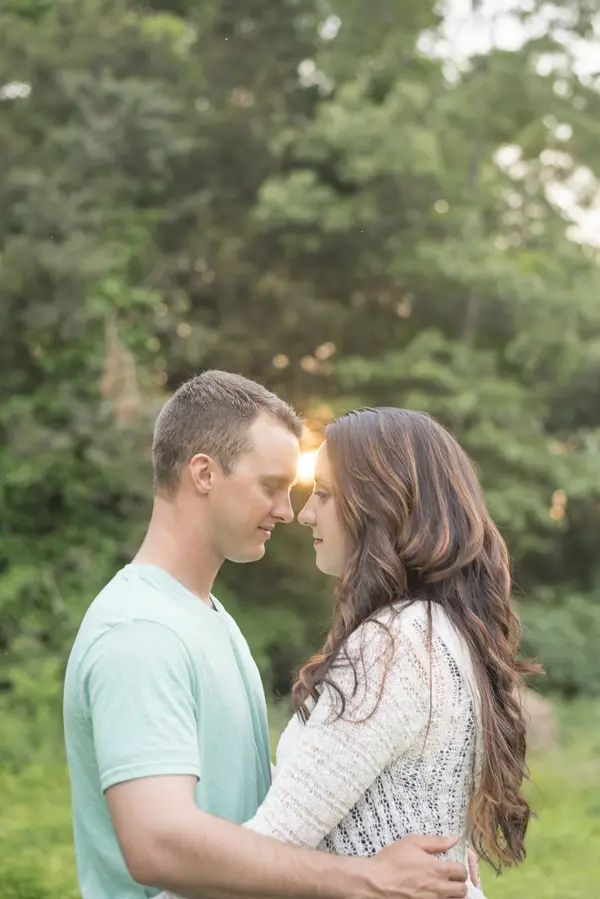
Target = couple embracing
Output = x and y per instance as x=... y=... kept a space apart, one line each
x=407 y=742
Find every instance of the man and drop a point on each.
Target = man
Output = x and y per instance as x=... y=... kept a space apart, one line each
x=165 y=715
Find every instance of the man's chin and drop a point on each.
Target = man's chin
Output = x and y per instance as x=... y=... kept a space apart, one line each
x=252 y=555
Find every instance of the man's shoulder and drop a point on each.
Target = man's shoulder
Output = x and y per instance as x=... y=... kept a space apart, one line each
x=127 y=607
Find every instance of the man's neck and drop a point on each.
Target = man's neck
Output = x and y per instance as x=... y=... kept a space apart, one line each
x=185 y=556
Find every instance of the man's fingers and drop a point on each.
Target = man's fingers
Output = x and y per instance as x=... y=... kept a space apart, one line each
x=434 y=845
x=454 y=891
x=473 y=865
x=453 y=871
x=474 y=872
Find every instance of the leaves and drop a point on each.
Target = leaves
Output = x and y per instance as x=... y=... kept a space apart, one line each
x=241 y=186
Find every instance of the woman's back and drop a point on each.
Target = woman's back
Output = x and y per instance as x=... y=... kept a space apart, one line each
x=403 y=757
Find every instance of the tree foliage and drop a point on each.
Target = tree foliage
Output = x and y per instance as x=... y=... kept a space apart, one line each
x=316 y=198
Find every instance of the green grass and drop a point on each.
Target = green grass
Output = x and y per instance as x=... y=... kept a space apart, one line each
x=36 y=857
x=563 y=845
x=36 y=844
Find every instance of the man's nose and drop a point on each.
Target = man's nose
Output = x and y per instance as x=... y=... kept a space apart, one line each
x=284 y=511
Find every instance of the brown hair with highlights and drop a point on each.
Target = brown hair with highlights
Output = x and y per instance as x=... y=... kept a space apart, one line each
x=211 y=414
x=417 y=527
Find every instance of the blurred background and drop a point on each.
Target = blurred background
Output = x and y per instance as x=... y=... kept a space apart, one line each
x=385 y=203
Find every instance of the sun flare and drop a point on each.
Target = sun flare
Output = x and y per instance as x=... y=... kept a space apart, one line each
x=306 y=467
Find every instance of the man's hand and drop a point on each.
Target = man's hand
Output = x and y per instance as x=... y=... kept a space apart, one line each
x=410 y=869
x=473 y=868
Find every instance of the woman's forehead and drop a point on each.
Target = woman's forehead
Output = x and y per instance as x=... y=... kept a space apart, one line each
x=322 y=466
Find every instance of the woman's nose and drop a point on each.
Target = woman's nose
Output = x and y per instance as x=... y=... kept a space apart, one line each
x=306 y=516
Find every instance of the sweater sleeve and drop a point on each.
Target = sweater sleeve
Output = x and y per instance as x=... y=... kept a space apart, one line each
x=384 y=677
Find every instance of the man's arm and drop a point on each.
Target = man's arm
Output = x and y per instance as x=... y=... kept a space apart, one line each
x=167 y=841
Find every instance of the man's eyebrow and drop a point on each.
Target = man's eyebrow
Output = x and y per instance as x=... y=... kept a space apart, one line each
x=281 y=480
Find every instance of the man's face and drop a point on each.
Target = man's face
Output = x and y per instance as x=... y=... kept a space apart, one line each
x=247 y=503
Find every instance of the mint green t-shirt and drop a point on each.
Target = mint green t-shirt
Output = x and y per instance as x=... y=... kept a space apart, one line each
x=158 y=683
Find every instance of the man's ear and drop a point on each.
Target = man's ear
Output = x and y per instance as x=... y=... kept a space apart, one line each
x=202 y=472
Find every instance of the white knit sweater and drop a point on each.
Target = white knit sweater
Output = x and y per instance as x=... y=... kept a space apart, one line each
x=402 y=760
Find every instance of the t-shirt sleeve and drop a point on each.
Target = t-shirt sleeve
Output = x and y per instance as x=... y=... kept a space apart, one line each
x=139 y=687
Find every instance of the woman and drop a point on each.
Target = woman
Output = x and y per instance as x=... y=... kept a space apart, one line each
x=408 y=721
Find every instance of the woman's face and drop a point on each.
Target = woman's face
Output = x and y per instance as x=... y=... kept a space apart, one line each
x=320 y=514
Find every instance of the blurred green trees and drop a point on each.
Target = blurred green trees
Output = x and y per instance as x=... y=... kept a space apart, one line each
x=322 y=198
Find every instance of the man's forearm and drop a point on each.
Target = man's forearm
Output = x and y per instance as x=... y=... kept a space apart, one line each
x=168 y=842
x=209 y=858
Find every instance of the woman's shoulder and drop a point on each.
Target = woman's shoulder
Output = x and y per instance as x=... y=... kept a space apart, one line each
x=433 y=637
x=409 y=615
x=404 y=616
x=423 y=626
x=387 y=633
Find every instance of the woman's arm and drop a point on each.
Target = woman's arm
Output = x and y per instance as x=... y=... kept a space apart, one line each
x=348 y=755
x=336 y=759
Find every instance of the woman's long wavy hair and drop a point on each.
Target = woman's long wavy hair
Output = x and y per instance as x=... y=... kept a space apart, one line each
x=417 y=527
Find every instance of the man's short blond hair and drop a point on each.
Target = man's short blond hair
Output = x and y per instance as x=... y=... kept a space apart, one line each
x=211 y=414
